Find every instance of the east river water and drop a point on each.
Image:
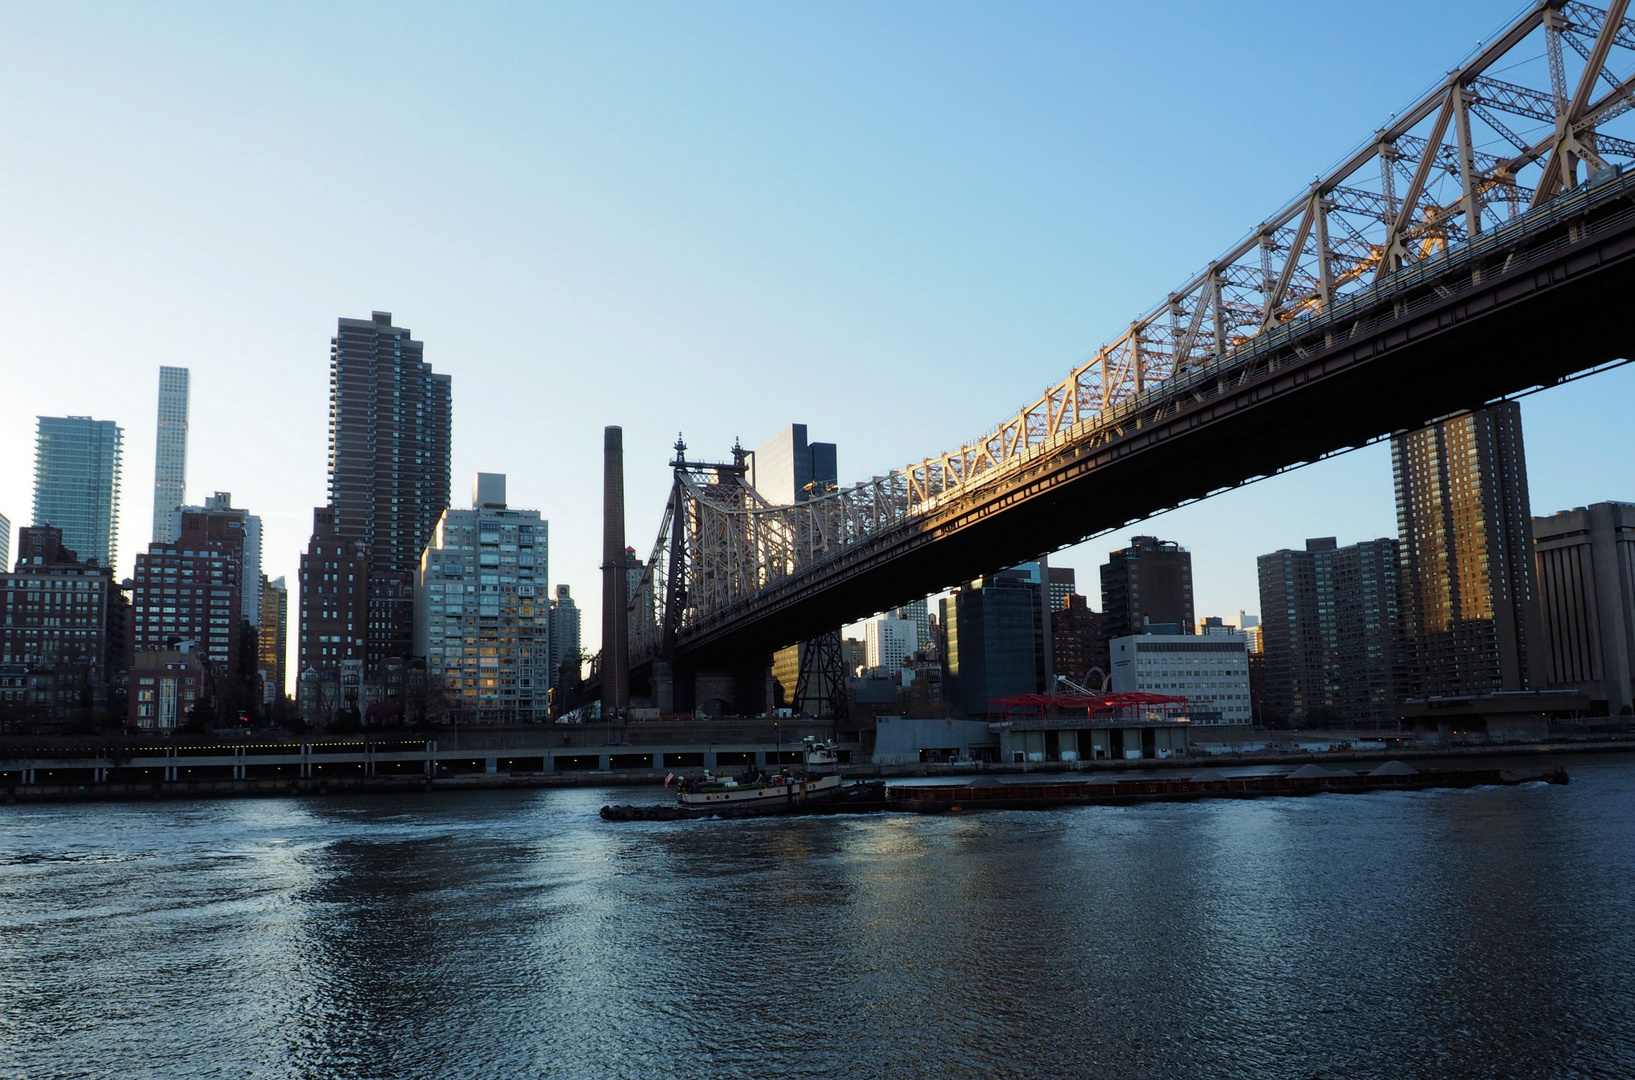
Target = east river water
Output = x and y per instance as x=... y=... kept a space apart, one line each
x=1488 y=932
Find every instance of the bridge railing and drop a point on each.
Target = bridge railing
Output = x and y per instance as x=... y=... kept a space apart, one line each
x=1350 y=230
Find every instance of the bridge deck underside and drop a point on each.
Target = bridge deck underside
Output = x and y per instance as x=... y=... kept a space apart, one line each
x=1564 y=308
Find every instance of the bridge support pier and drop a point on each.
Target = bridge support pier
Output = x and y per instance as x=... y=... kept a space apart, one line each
x=663 y=681
x=742 y=688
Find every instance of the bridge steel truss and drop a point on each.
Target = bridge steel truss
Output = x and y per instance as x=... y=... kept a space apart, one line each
x=1488 y=220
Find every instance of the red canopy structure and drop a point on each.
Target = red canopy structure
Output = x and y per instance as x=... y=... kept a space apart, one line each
x=1103 y=708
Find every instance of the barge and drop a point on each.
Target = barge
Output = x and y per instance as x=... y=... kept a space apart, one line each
x=1212 y=784
x=991 y=793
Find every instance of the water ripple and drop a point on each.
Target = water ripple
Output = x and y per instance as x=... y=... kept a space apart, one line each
x=1450 y=934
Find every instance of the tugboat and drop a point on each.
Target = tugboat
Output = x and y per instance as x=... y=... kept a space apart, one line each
x=755 y=792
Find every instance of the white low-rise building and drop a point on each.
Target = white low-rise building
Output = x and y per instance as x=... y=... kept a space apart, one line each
x=1211 y=672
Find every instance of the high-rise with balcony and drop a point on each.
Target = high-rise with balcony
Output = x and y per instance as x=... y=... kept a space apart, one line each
x=170 y=453
x=389 y=430
x=1470 y=611
x=77 y=464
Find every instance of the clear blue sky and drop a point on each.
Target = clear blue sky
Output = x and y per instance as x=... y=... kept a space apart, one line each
x=896 y=223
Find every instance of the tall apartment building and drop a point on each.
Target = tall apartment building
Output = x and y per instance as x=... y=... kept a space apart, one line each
x=889 y=641
x=1147 y=583
x=191 y=591
x=273 y=637
x=170 y=456
x=1470 y=611
x=77 y=462
x=334 y=595
x=1586 y=583
x=1330 y=632
x=390 y=421
x=61 y=620
x=1368 y=630
x=5 y=543
x=917 y=612
x=564 y=632
x=482 y=609
x=1061 y=584
x=1297 y=629
x=220 y=521
x=995 y=641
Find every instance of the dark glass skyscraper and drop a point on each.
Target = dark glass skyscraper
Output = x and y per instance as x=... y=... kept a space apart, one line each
x=994 y=640
x=390 y=421
x=1470 y=612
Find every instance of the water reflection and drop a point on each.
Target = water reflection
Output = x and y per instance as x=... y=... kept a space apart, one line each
x=515 y=934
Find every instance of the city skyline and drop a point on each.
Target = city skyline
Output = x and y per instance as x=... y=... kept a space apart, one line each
x=740 y=305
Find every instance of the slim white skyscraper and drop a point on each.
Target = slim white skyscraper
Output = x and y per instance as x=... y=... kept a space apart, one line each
x=170 y=460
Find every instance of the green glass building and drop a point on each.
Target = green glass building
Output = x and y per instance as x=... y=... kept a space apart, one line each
x=76 y=483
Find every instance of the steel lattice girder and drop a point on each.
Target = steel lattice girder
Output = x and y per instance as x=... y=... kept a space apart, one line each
x=1414 y=190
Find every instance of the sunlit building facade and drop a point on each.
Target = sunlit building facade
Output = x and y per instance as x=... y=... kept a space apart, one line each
x=890 y=641
x=1211 y=672
x=273 y=636
x=1470 y=612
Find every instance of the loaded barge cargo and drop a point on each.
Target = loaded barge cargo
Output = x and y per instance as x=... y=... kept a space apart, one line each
x=1310 y=780
x=991 y=793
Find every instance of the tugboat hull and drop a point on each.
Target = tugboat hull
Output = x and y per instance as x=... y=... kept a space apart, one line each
x=771 y=799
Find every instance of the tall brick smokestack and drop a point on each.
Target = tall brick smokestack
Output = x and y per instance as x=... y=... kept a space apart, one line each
x=615 y=603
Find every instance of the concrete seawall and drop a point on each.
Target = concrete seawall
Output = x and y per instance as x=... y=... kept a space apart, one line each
x=52 y=774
